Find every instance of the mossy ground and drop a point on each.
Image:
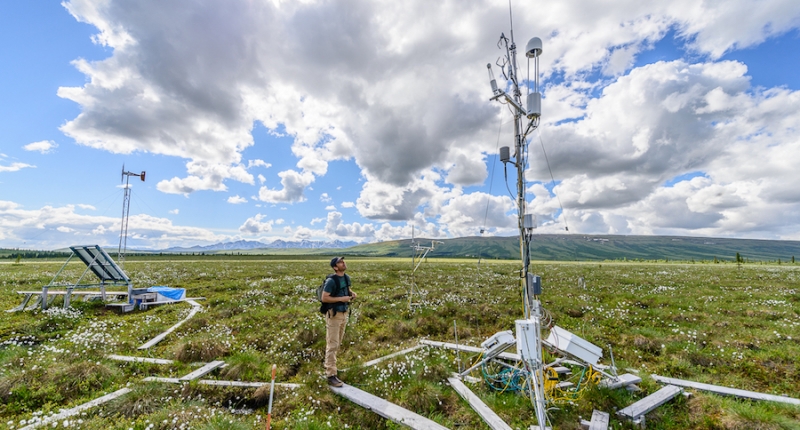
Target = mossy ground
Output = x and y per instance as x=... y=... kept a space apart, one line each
x=713 y=323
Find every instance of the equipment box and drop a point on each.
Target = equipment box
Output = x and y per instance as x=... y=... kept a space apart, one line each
x=574 y=345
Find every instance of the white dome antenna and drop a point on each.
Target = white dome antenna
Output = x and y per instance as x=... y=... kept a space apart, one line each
x=534 y=48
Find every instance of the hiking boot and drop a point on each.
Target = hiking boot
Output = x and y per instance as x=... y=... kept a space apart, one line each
x=333 y=381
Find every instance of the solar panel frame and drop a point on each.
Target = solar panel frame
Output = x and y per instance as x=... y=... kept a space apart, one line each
x=100 y=263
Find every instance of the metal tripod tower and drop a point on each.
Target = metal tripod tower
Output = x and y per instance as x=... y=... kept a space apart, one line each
x=530 y=327
x=126 y=205
x=420 y=252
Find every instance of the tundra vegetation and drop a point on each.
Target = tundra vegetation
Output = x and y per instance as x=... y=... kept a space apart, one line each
x=713 y=323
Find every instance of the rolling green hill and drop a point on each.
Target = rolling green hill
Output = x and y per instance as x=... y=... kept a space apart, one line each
x=553 y=247
x=593 y=247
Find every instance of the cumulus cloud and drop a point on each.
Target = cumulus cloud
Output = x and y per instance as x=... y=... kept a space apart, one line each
x=43 y=146
x=679 y=118
x=336 y=228
x=294 y=183
x=254 y=225
x=466 y=215
x=52 y=227
x=348 y=205
x=235 y=200
x=404 y=95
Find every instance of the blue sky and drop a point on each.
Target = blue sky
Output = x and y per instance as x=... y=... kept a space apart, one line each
x=265 y=120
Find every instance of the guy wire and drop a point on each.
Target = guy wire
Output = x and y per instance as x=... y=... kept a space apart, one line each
x=552 y=179
x=491 y=177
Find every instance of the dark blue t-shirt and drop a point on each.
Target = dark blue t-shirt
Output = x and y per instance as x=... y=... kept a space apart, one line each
x=337 y=286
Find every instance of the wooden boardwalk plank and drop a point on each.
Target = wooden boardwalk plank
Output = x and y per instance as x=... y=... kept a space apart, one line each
x=465 y=348
x=488 y=415
x=622 y=381
x=77 y=409
x=599 y=420
x=205 y=370
x=139 y=359
x=386 y=357
x=725 y=391
x=386 y=409
x=195 y=309
x=642 y=407
x=220 y=383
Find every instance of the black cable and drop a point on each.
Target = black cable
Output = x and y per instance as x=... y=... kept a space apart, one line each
x=505 y=173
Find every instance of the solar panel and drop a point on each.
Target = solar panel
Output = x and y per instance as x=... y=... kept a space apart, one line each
x=100 y=263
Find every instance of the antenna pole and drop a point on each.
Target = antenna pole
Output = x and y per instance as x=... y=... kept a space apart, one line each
x=126 y=206
x=530 y=327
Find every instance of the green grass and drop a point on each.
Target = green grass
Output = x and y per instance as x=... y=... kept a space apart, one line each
x=718 y=324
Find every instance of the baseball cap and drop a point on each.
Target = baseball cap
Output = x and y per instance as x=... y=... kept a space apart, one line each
x=336 y=261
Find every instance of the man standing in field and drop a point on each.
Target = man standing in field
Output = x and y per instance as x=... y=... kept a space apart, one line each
x=336 y=297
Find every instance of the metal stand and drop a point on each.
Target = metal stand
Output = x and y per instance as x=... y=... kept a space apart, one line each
x=531 y=289
x=420 y=252
x=126 y=206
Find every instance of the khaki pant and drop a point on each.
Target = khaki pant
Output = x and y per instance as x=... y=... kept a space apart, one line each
x=333 y=338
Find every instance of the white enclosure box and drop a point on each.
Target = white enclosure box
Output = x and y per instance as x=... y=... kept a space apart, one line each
x=528 y=340
x=498 y=343
x=565 y=341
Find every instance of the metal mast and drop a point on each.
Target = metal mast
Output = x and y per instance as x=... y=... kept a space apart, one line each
x=126 y=205
x=528 y=330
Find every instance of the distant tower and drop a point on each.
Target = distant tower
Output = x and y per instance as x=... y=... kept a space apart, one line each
x=126 y=205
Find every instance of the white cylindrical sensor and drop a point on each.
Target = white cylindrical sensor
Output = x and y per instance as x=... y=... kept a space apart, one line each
x=534 y=105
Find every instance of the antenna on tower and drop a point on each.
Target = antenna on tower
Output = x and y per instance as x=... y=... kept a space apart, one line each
x=529 y=328
x=126 y=205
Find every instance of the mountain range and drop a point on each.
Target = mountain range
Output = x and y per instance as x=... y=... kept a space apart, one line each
x=254 y=244
x=547 y=247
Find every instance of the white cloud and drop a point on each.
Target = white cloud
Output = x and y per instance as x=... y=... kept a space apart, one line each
x=465 y=215
x=324 y=197
x=43 y=146
x=293 y=185
x=317 y=220
x=348 y=205
x=330 y=208
x=89 y=207
x=407 y=102
x=254 y=225
x=336 y=228
x=14 y=167
x=46 y=228
x=205 y=176
x=236 y=199
x=303 y=233
x=174 y=211
x=258 y=163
